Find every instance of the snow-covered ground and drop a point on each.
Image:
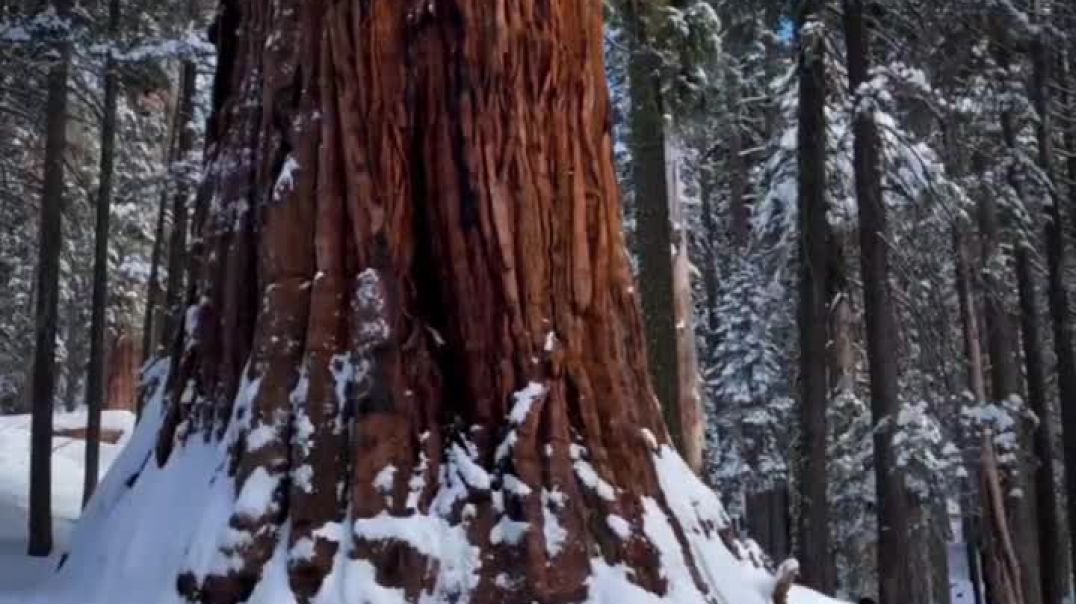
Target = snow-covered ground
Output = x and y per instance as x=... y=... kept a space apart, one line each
x=178 y=500
x=20 y=575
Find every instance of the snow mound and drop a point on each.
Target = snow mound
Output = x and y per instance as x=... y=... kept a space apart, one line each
x=146 y=523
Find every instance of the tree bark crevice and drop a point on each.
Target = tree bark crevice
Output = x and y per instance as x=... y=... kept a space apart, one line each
x=423 y=260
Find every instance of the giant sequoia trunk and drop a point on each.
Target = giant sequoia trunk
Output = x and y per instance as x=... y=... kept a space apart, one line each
x=414 y=367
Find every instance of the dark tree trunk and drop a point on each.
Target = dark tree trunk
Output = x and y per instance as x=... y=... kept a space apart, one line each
x=976 y=383
x=653 y=229
x=177 y=242
x=48 y=275
x=1045 y=488
x=1034 y=520
x=151 y=323
x=95 y=373
x=1051 y=551
x=1055 y=259
x=768 y=522
x=814 y=548
x=897 y=554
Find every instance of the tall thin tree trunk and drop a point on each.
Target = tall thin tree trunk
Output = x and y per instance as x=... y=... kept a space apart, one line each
x=151 y=324
x=1004 y=569
x=814 y=547
x=1050 y=536
x=177 y=243
x=1034 y=521
x=689 y=404
x=1045 y=496
x=95 y=373
x=653 y=228
x=976 y=383
x=48 y=275
x=1055 y=261
x=897 y=556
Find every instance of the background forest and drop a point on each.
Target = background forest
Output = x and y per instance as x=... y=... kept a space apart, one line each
x=852 y=225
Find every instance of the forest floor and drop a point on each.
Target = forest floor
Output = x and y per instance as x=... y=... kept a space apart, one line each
x=22 y=576
x=19 y=573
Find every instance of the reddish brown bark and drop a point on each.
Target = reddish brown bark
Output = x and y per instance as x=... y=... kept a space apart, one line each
x=1003 y=568
x=412 y=214
x=107 y=435
x=123 y=365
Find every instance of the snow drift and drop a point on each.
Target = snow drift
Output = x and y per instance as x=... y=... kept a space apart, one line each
x=146 y=524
